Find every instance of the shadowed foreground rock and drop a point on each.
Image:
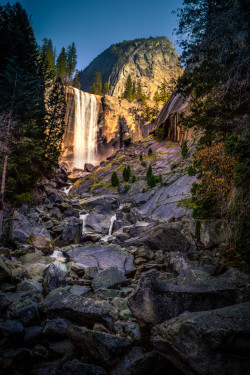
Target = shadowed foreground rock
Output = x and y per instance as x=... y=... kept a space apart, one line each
x=207 y=342
x=155 y=301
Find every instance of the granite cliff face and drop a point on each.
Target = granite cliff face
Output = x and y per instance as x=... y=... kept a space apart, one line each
x=151 y=61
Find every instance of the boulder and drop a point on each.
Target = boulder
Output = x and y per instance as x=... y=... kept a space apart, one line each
x=178 y=263
x=102 y=257
x=32 y=335
x=207 y=342
x=139 y=362
x=22 y=228
x=165 y=237
x=155 y=301
x=89 y=167
x=5 y=272
x=76 y=367
x=27 y=314
x=71 y=232
x=98 y=223
x=53 y=278
x=43 y=243
x=61 y=303
x=12 y=329
x=4 y=303
x=108 y=278
x=104 y=348
x=56 y=328
x=109 y=201
x=212 y=233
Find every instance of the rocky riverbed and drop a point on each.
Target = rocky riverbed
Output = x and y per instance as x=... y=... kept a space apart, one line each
x=113 y=280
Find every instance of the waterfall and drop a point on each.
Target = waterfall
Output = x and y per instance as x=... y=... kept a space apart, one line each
x=85 y=128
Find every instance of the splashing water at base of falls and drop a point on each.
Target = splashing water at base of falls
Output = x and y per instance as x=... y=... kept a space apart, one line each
x=60 y=260
x=83 y=217
x=85 y=129
x=105 y=238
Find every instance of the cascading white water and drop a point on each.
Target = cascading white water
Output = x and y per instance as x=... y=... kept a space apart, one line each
x=85 y=129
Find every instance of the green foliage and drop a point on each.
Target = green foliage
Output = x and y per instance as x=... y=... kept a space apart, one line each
x=198 y=229
x=61 y=65
x=150 y=152
x=157 y=97
x=151 y=181
x=184 y=149
x=163 y=92
x=24 y=198
x=149 y=172
x=48 y=55
x=127 y=142
x=97 y=85
x=148 y=114
x=106 y=88
x=140 y=157
x=143 y=163
x=128 y=93
x=191 y=171
x=126 y=173
x=160 y=134
x=133 y=178
x=114 y=179
x=143 y=190
x=76 y=81
x=71 y=60
x=127 y=187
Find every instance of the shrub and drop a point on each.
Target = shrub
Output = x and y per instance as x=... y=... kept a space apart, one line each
x=127 y=141
x=126 y=173
x=24 y=198
x=150 y=152
x=114 y=179
x=191 y=171
x=143 y=190
x=149 y=172
x=143 y=163
x=133 y=178
x=140 y=157
x=160 y=134
x=127 y=187
x=151 y=181
x=184 y=149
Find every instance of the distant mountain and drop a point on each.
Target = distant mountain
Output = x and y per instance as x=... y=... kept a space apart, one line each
x=150 y=61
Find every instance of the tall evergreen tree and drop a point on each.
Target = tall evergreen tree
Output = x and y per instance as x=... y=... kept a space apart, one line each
x=163 y=92
x=61 y=65
x=97 y=85
x=128 y=88
x=106 y=88
x=76 y=81
x=48 y=56
x=71 y=60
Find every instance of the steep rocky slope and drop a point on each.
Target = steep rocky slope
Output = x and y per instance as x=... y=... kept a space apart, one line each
x=112 y=281
x=150 y=61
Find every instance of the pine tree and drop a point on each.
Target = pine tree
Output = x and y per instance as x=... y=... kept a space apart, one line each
x=128 y=89
x=61 y=65
x=157 y=97
x=47 y=53
x=163 y=92
x=97 y=85
x=76 y=81
x=114 y=179
x=71 y=61
x=106 y=88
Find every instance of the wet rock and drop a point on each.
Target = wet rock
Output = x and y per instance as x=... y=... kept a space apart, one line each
x=104 y=348
x=98 y=223
x=56 y=328
x=139 y=362
x=23 y=228
x=12 y=329
x=61 y=303
x=207 y=342
x=108 y=278
x=76 y=367
x=43 y=243
x=71 y=232
x=32 y=335
x=4 y=272
x=54 y=278
x=4 y=302
x=102 y=257
x=178 y=263
x=89 y=167
x=154 y=300
x=165 y=237
x=129 y=328
x=28 y=314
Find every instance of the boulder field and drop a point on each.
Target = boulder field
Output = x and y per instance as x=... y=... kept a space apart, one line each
x=112 y=280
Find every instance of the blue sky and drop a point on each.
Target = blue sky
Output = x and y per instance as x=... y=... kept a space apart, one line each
x=95 y=25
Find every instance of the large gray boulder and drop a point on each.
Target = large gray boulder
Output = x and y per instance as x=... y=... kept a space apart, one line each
x=155 y=301
x=53 y=278
x=108 y=278
x=207 y=342
x=98 y=223
x=61 y=303
x=23 y=227
x=4 y=271
x=166 y=237
x=104 y=348
x=71 y=231
x=107 y=201
x=102 y=257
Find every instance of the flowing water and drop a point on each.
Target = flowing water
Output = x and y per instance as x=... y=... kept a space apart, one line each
x=83 y=217
x=105 y=238
x=60 y=260
x=85 y=129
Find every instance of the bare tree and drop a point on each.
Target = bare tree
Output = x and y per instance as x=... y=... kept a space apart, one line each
x=7 y=140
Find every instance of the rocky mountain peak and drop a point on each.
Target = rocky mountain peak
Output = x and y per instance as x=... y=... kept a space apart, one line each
x=150 y=61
